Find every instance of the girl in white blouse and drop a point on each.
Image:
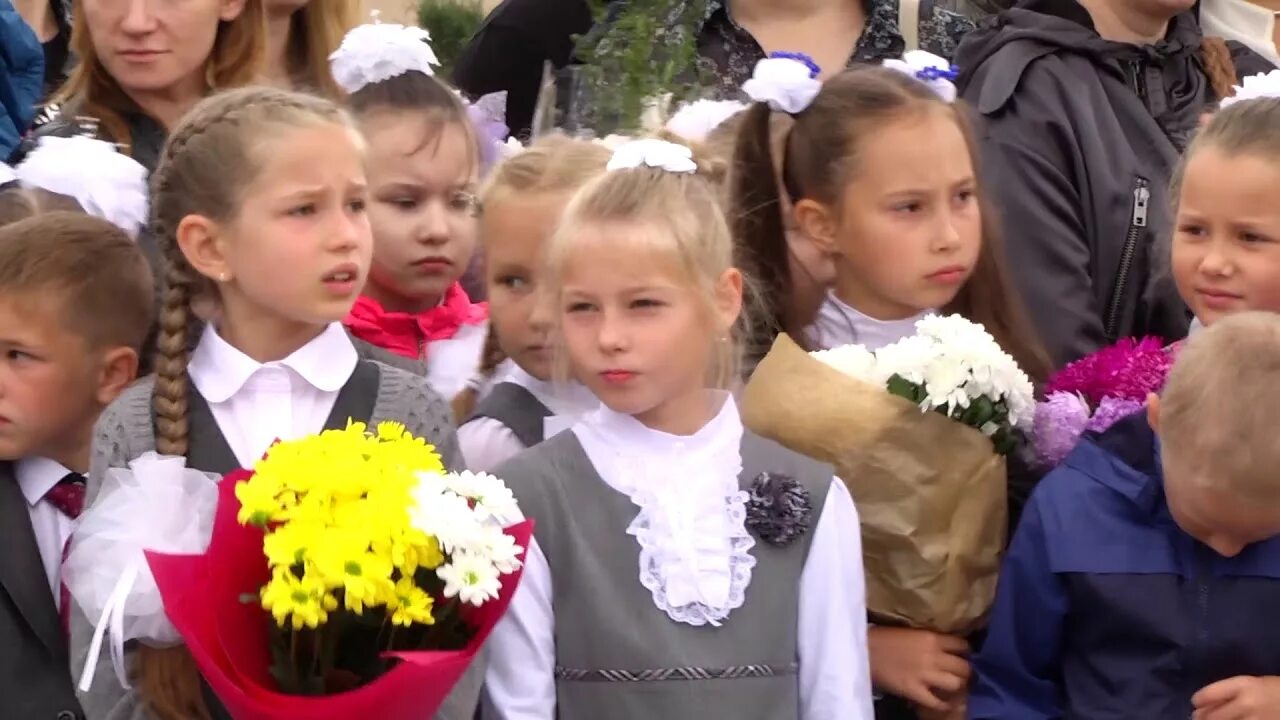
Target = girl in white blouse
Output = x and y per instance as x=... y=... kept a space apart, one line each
x=682 y=567
x=523 y=200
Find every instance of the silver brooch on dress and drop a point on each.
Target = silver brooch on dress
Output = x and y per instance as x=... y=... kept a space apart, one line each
x=779 y=509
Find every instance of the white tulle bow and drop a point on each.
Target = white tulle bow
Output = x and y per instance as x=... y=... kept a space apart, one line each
x=158 y=504
x=788 y=85
x=7 y=175
x=929 y=69
x=1262 y=85
x=377 y=52
x=652 y=153
x=107 y=183
x=696 y=120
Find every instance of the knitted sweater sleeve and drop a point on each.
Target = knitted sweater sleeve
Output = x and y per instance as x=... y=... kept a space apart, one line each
x=123 y=432
x=407 y=398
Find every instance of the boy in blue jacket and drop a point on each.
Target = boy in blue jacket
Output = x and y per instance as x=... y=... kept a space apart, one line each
x=1143 y=582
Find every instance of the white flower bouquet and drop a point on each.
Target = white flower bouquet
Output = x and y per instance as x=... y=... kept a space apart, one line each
x=918 y=431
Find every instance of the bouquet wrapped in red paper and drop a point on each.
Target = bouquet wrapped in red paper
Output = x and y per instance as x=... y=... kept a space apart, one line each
x=346 y=576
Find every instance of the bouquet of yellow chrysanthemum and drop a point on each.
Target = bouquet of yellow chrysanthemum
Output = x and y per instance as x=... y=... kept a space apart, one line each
x=383 y=576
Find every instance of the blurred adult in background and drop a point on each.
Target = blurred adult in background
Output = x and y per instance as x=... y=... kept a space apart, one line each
x=21 y=75
x=1087 y=107
x=301 y=34
x=511 y=47
x=51 y=22
x=1249 y=22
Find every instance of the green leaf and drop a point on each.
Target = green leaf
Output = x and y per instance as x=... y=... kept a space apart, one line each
x=903 y=388
x=451 y=23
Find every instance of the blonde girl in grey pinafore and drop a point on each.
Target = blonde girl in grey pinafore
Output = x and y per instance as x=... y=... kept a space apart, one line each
x=682 y=568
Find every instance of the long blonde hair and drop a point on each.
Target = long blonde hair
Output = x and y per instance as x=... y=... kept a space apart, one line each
x=687 y=214
x=235 y=61
x=213 y=154
x=316 y=30
x=552 y=164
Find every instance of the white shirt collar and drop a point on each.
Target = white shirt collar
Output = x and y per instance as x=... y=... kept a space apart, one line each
x=37 y=476
x=839 y=323
x=219 y=370
x=570 y=398
x=621 y=431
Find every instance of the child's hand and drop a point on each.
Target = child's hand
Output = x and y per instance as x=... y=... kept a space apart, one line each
x=1239 y=698
x=926 y=668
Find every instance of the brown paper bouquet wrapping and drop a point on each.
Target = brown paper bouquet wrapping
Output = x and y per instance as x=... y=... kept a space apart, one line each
x=930 y=491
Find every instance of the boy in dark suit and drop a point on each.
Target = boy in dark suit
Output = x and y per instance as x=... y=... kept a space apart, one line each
x=76 y=302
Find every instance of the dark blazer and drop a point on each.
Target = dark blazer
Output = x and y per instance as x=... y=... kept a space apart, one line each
x=35 y=670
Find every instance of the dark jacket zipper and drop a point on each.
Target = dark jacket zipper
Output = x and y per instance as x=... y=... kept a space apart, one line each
x=1138 y=221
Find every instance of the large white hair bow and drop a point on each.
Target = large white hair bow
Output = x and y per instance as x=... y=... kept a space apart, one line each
x=696 y=120
x=1262 y=85
x=7 y=175
x=929 y=69
x=788 y=82
x=106 y=183
x=653 y=153
x=376 y=52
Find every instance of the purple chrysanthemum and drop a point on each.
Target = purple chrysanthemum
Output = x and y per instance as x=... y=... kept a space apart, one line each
x=1130 y=369
x=1059 y=421
x=1111 y=410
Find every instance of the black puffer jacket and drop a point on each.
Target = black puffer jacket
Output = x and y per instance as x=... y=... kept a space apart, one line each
x=1080 y=139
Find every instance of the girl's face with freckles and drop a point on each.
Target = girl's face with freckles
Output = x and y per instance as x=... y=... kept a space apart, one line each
x=423 y=208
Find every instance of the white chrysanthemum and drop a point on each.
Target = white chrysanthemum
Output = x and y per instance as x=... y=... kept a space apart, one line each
x=493 y=499
x=909 y=358
x=444 y=515
x=1262 y=85
x=852 y=360
x=471 y=578
x=498 y=548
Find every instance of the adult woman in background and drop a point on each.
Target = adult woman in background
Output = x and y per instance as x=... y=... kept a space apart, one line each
x=301 y=34
x=142 y=65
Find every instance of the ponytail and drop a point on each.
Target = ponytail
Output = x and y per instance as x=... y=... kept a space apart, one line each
x=1219 y=67
x=760 y=233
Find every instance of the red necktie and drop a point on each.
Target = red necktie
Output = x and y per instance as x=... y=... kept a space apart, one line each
x=68 y=497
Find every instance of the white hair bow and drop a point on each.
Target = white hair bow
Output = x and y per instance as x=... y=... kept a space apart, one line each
x=696 y=120
x=788 y=82
x=652 y=153
x=376 y=52
x=929 y=69
x=7 y=175
x=1262 y=85
x=106 y=183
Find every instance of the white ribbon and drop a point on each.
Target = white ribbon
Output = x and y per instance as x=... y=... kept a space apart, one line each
x=1262 y=85
x=786 y=84
x=111 y=622
x=377 y=52
x=928 y=69
x=658 y=154
x=105 y=182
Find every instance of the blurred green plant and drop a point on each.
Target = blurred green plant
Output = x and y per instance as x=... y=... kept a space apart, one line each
x=451 y=24
x=641 y=54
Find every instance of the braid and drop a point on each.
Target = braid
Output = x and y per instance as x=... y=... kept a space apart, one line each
x=1219 y=66
x=207 y=160
x=464 y=403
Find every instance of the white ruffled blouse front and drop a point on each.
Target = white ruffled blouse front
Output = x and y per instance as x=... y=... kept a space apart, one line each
x=691 y=513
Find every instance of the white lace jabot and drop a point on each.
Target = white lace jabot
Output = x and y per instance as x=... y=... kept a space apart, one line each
x=694 y=544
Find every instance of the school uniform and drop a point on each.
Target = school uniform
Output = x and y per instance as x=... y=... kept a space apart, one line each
x=659 y=602
x=517 y=412
x=237 y=408
x=839 y=323
x=34 y=680
x=446 y=340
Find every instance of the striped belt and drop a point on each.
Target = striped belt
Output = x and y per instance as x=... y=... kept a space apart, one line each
x=733 y=672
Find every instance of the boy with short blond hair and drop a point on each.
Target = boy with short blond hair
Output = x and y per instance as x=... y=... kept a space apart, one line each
x=1144 y=578
x=76 y=302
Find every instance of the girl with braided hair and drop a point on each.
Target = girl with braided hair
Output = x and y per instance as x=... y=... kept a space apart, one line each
x=258 y=205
